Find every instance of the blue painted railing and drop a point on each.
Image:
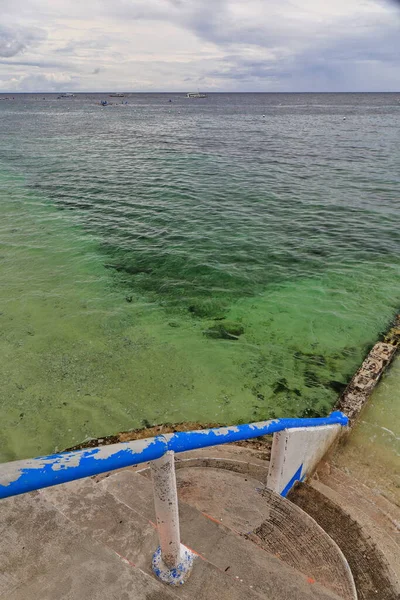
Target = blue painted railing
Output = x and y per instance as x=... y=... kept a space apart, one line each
x=23 y=476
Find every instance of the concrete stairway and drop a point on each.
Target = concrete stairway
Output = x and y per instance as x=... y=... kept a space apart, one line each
x=93 y=539
x=364 y=524
x=271 y=522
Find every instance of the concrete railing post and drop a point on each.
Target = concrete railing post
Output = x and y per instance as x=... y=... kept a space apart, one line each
x=295 y=453
x=172 y=562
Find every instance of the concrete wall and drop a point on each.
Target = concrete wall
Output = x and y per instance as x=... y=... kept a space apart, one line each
x=295 y=454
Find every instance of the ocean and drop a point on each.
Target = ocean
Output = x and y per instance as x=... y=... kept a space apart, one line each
x=217 y=260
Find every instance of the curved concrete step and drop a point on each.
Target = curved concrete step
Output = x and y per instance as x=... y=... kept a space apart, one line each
x=229 y=457
x=379 y=511
x=376 y=517
x=236 y=559
x=270 y=521
x=373 y=574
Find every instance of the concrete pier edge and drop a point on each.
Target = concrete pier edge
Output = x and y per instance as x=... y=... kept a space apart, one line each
x=355 y=397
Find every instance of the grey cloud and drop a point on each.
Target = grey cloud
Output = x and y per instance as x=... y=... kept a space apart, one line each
x=40 y=64
x=73 y=47
x=363 y=58
x=280 y=28
x=357 y=54
x=217 y=21
x=192 y=14
x=14 y=40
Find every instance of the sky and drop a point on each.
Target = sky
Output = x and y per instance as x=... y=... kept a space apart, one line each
x=210 y=45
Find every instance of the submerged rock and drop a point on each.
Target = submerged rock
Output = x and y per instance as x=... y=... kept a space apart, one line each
x=337 y=386
x=226 y=330
x=281 y=386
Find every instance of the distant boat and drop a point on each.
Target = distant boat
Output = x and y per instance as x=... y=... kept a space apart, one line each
x=66 y=95
x=117 y=95
x=195 y=95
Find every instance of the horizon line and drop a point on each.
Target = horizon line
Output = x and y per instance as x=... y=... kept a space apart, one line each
x=13 y=93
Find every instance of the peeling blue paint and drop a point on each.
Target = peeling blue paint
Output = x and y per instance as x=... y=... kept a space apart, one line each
x=296 y=477
x=24 y=476
x=177 y=575
x=29 y=475
x=193 y=440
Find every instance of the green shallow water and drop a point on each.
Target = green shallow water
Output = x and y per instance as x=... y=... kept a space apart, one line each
x=121 y=248
x=372 y=452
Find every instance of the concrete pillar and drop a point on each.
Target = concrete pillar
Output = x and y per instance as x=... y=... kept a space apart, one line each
x=172 y=562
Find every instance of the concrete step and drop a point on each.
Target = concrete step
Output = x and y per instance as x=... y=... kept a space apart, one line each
x=125 y=530
x=229 y=457
x=375 y=576
x=229 y=451
x=270 y=521
x=236 y=558
x=242 y=509
x=376 y=517
x=43 y=554
x=376 y=508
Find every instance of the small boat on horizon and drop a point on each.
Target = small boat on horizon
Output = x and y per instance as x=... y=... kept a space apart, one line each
x=195 y=95
x=66 y=95
x=117 y=95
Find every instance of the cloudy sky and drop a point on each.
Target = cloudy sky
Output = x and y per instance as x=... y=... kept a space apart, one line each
x=213 y=45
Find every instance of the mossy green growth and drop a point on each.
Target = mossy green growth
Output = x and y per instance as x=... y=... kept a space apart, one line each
x=208 y=308
x=225 y=330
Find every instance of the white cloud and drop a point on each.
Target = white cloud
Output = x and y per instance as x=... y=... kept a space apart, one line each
x=171 y=45
x=41 y=82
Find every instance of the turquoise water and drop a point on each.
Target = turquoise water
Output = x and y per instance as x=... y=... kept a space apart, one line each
x=190 y=260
